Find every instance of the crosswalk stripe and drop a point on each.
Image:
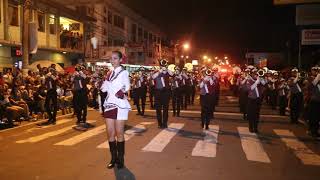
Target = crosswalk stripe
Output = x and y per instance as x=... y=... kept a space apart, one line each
x=208 y=146
x=62 y=121
x=307 y=156
x=158 y=143
x=83 y=136
x=252 y=146
x=49 y=134
x=128 y=134
x=46 y=135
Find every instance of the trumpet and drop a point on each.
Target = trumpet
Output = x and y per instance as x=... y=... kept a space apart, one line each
x=261 y=72
x=208 y=72
x=303 y=74
x=163 y=63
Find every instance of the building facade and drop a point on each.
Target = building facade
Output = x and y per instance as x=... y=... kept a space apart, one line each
x=56 y=33
x=120 y=28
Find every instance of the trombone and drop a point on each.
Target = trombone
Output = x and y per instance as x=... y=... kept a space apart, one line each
x=261 y=72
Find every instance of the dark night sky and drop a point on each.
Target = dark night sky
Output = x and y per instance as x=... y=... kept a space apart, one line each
x=222 y=26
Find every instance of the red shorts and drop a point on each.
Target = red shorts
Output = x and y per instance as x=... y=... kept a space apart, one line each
x=111 y=114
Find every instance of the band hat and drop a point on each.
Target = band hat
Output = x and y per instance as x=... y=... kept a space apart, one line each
x=315 y=68
x=294 y=70
x=247 y=70
x=250 y=67
x=282 y=79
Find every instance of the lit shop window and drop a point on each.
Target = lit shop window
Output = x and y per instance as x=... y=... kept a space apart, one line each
x=52 y=24
x=13 y=15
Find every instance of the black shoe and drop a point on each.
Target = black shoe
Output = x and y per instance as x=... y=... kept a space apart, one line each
x=160 y=126
x=165 y=126
x=174 y=114
x=113 y=151
x=251 y=130
x=207 y=127
x=121 y=150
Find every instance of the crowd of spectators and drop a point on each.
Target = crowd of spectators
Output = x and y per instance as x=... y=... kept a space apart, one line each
x=22 y=97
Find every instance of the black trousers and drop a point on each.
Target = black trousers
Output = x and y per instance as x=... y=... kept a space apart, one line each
x=253 y=113
x=243 y=101
x=313 y=116
x=140 y=94
x=51 y=104
x=176 y=101
x=283 y=102
x=151 y=96
x=193 y=93
x=187 y=96
x=217 y=92
x=273 y=98
x=296 y=105
x=162 y=98
x=206 y=106
x=80 y=105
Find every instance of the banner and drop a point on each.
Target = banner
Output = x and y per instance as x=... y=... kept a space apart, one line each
x=310 y=37
x=283 y=2
x=33 y=37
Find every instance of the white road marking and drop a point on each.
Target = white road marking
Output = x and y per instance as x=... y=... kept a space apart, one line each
x=83 y=136
x=128 y=134
x=48 y=134
x=307 y=156
x=252 y=146
x=44 y=127
x=208 y=146
x=158 y=143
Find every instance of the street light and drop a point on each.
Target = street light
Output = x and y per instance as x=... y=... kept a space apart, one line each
x=182 y=56
x=216 y=57
x=226 y=57
x=205 y=57
x=187 y=57
x=209 y=60
x=186 y=46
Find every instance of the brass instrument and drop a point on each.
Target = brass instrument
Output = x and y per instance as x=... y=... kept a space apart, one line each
x=303 y=74
x=163 y=63
x=208 y=72
x=80 y=67
x=261 y=72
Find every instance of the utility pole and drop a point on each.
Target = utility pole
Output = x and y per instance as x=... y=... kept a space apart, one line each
x=25 y=34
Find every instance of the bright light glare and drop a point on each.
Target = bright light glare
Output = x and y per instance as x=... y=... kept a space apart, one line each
x=186 y=46
x=223 y=70
x=205 y=57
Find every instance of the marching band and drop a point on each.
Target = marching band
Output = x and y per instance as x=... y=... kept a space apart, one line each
x=297 y=92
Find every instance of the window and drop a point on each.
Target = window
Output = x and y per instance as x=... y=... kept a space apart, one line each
x=110 y=42
x=41 y=22
x=139 y=34
x=52 y=24
x=105 y=9
x=104 y=31
x=145 y=35
x=118 y=21
x=150 y=54
x=105 y=19
x=118 y=42
x=13 y=15
x=133 y=32
x=150 y=38
x=104 y=43
x=109 y=17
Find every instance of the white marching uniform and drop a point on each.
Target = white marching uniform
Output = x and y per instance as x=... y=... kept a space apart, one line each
x=117 y=81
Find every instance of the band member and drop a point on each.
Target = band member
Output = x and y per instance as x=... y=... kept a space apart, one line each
x=140 y=84
x=184 y=88
x=272 y=86
x=151 y=91
x=80 y=94
x=254 y=101
x=51 y=103
x=117 y=108
x=162 y=93
x=296 y=96
x=243 y=92
x=282 y=95
x=193 y=84
x=314 y=102
x=217 y=85
x=206 y=92
x=176 y=92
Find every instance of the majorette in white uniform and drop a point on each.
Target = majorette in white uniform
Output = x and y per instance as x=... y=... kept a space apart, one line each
x=117 y=83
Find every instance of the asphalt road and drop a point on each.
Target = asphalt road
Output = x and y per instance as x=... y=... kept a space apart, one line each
x=281 y=151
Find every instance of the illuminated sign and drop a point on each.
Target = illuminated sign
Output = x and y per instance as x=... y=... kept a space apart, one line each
x=282 y=2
